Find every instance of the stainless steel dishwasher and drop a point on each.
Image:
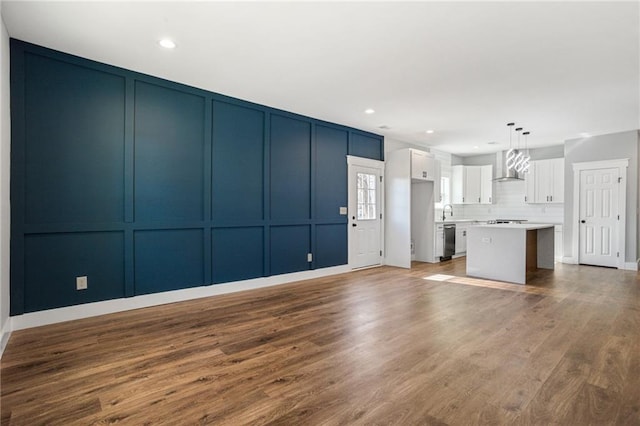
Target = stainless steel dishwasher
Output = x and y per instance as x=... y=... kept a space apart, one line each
x=449 y=241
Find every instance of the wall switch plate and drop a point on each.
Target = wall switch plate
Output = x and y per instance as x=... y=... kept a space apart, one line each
x=343 y=211
x=81 y=283
x=309 y=257
x=486 y=240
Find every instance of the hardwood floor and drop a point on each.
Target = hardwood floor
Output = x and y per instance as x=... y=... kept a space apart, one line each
x=380 y=346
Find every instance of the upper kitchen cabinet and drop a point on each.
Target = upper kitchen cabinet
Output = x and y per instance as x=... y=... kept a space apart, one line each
x=423 y=165
x=471 y=184
x=457 y=184
x=486 y=184
x=545 y=181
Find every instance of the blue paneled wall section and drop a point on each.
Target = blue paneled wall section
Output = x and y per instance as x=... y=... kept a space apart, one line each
x=145 y=185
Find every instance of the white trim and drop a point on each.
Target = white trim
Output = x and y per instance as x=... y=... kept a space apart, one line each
x=631 y=266
x=6 y=334
x=365 y=162
x=570 y=260
x=52 y=316
x=379 y=166
x=366 y=267
x=622 y=165
x=604 y=164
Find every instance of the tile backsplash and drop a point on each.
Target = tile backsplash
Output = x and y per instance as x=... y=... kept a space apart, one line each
x=508 y=203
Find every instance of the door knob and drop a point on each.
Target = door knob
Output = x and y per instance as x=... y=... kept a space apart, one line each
x=583 y=221
x=354 y=224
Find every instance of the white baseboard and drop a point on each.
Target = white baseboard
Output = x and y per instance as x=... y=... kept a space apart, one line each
x=6 y=333
x=630 y=266
x=69 y=313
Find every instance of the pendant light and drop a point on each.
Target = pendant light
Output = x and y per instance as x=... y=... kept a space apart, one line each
x=507 y=159
x=527 y=159
x=516 y=160
x=512 y=153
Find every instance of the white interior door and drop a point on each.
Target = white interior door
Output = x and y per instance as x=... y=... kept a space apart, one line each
x=599 y=217
x=364 y=216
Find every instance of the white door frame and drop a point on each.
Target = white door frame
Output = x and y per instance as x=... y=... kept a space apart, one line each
x=373 y=164
x=622 y=165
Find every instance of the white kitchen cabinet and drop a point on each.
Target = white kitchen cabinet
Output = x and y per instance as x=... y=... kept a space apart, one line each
x=557 y=182
x=558 y=249
x=530 y=184
x=486 y=184
x=461 y=238
x=471 y=184
x=545 y=181
x=437 y=182
x=423 y=165
x=439 y=241
x=457 y=184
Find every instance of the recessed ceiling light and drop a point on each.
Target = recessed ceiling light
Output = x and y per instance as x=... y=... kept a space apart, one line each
x=369 y=111
x=476 y=147
x=429 y=131
x=585 y=135
x=167 y=43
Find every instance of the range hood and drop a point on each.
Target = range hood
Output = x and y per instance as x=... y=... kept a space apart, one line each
x=503 y=174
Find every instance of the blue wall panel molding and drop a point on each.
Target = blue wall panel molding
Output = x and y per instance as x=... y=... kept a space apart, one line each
x=238 y=163
x=168 y=260
x=146 y=185
x=289 y=248
x=53 y=261
x=366 y=145
x=237 y=253
x=290 y=169
x=331 y=248
x=169 y=154
x=74 y=144
x=331 y=172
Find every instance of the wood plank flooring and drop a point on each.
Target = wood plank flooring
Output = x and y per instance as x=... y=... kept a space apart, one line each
x=380 y=346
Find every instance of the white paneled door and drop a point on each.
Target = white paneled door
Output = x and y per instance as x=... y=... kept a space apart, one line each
x=599 y=217
x=365 y=216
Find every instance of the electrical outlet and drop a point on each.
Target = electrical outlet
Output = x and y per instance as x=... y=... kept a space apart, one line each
x=309 y=257
x=343 y=211
x=81 y=283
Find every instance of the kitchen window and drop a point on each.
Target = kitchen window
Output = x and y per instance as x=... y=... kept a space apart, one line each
x=445 y=192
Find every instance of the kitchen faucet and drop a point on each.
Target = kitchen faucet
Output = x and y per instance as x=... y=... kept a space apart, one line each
x=444 y=209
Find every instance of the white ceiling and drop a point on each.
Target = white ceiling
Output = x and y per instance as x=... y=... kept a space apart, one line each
x=461 y=69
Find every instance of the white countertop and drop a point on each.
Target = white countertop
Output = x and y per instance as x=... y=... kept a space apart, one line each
x=484 y=221
x=525 y=226
x=458 y=221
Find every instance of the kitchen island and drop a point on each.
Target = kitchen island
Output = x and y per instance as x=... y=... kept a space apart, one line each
x=508 y=252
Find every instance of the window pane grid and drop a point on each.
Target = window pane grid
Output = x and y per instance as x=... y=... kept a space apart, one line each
x=366 y=188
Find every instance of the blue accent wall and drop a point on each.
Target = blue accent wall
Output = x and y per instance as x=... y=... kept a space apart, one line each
x=75 y=129
x=168 y=259
x=290 y=169
x=145 y=185
x=169 y=159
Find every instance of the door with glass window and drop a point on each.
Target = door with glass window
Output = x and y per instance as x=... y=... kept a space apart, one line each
x=364 y=216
